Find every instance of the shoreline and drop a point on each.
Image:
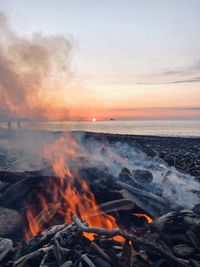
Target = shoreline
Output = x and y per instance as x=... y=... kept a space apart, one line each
x=116 y=136
x=183 y=128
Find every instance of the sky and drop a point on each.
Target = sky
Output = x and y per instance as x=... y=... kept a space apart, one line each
x=130 y=59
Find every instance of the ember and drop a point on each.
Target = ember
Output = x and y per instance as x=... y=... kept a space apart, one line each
x=149 y=220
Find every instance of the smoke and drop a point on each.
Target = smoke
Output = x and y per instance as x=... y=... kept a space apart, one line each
x=35 y=83
x=23 y=150
x=33 y=150
x=35 y=74
x=173 y=185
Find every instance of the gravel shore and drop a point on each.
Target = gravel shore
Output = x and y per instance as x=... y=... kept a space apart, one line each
x=181 y=152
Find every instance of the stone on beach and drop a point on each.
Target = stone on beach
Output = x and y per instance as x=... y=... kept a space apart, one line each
x=10 y=222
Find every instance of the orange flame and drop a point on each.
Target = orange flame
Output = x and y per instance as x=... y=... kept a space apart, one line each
x=149 y=219
x=77 y=200
x=34 y=227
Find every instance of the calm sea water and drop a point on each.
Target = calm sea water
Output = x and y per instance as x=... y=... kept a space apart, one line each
x=154 y=127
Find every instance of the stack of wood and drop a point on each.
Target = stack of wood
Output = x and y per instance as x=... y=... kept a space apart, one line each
x=170 y=238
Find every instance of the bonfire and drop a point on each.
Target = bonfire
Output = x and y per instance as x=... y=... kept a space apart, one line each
x=76 y=212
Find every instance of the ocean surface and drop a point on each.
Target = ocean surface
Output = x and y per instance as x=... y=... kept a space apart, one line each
x=187 y=128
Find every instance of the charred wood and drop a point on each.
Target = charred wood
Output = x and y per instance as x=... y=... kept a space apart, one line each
x=119 y=232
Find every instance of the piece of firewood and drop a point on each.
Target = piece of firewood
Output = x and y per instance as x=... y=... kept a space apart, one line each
x=113 y=206
x=143 y=193
x=141 y=203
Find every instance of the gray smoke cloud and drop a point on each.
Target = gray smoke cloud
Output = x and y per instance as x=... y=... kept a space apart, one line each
x=33 y=73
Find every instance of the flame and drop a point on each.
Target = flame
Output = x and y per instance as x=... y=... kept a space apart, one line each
x=34 y=226
x=149 y=219
x=75 y=200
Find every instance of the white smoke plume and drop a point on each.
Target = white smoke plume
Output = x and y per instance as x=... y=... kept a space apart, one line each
x=175 y=186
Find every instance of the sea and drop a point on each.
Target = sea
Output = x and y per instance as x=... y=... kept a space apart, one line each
x=183 y=128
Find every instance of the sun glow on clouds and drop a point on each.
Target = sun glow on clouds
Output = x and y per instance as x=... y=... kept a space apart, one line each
x=37 y=82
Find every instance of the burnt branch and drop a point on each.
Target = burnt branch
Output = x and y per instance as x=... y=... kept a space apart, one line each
x=119 y=232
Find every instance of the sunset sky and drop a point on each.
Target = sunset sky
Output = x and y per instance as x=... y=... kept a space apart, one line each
x=130 y=59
